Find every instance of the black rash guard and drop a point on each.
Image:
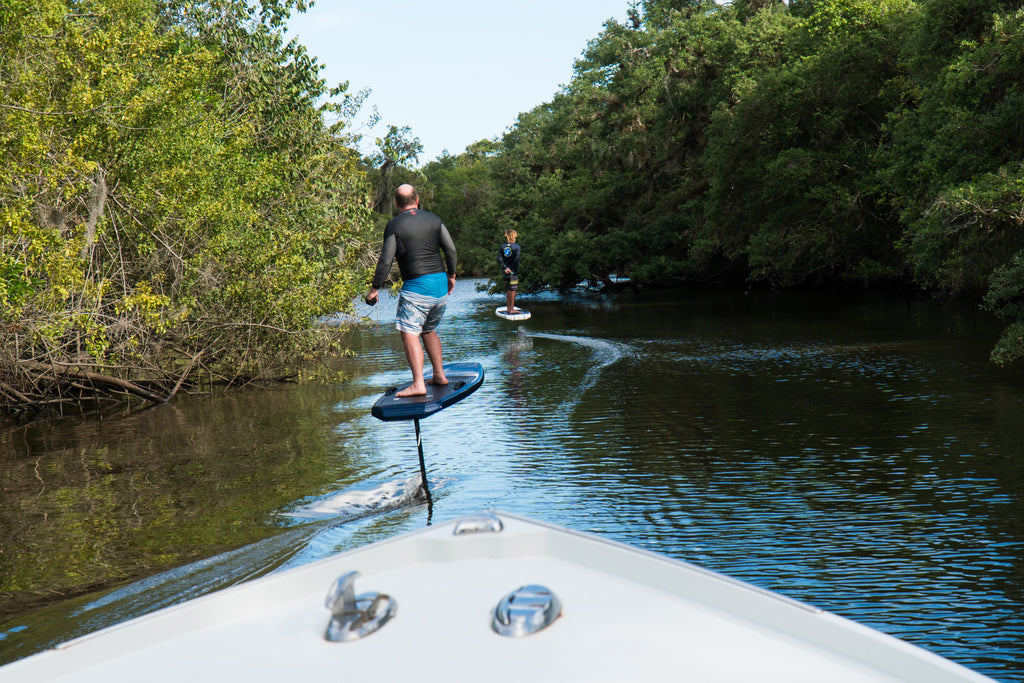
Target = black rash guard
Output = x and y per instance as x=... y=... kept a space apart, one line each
x=508 y=257
x=414 y=237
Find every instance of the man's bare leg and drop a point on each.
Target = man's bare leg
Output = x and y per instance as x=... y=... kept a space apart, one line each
x=510 y=298
x=413 y=354
x=432 y=342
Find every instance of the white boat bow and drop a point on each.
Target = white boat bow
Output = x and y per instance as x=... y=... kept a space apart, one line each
x=442 y=604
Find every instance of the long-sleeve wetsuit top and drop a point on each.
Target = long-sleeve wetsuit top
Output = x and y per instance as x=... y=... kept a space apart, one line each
x=414 y=237
x=508 y=257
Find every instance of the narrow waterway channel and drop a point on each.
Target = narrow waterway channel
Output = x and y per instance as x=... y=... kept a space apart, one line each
x=858 y=453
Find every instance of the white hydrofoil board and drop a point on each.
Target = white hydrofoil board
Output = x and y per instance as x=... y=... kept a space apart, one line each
x=520 y=314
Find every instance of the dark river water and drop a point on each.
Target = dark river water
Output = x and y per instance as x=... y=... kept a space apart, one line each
x=857 y=453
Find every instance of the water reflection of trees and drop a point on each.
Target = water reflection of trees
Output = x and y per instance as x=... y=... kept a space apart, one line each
x=90 y=504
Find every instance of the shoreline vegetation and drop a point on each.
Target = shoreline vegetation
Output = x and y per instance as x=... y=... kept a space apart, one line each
x=182 y=197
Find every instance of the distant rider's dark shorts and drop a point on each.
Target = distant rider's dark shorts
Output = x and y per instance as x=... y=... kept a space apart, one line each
x=512 y=282
x=419 y=314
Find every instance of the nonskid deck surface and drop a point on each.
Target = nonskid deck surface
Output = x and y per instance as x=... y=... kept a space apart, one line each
x=463 y=380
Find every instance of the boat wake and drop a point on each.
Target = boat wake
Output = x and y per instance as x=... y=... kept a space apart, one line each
x=356 y=502
x=321 y=525
x=605 y=353
x=199 y=578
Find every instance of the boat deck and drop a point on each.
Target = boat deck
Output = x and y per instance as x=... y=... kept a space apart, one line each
x=626 y=615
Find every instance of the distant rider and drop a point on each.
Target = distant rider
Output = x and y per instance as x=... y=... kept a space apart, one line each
x=508 y=261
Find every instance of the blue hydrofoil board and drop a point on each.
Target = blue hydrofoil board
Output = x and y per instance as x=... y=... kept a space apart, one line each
x=463 y=380
x=520 y=313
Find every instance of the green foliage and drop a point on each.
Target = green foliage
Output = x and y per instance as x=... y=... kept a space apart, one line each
x=790 y=165
x=397 y=147
x=956 y=155
x=943 y=26
x=814 y=142
x=1005 y=298
x=171 y=188
x=461 y=191
x=970 y=230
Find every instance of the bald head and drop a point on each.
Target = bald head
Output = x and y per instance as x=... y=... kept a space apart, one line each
x=406 y=197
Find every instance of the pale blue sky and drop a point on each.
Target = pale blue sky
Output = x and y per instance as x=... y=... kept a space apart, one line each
x=454 y=71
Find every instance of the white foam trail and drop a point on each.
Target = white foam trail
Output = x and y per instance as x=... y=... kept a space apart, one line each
x=357 y=502
x=257 y=559
x=605 y=353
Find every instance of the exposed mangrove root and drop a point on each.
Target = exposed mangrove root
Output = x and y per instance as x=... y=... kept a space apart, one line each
x=31 y=386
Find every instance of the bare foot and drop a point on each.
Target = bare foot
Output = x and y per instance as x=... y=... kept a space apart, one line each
x=438 y=380
x=412 y=390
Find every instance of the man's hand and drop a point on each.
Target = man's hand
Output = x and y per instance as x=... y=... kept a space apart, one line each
x=451 y=283
x=371 y=296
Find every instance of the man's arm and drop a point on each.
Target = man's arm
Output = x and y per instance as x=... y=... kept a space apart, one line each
x=450 y=257
x=448 y=247
x=387 y=255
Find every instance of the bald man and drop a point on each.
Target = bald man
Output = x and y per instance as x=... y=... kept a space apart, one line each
x=416 y=238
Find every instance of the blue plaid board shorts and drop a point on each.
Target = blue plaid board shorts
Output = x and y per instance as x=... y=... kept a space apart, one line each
x=419 y=314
